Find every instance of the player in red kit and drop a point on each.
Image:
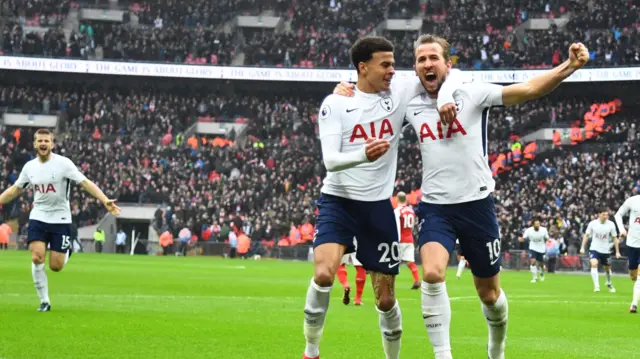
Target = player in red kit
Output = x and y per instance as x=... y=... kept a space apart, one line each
x=361 y=277
x=406 y=220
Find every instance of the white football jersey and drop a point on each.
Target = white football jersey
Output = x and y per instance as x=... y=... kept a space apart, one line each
x=357 y=119
x=631 y=207
x=51 y=185
x=454 y=158
x=537 y=239
x=601 y=235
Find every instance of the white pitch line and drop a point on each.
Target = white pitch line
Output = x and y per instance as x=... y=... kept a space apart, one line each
x=534 y=299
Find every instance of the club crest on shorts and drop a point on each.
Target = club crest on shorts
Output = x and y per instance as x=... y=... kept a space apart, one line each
x=387 y=104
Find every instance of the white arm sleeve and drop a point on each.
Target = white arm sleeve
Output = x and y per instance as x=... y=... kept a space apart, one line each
x=450 y=85
x=334 y=160
x=330 y=130
x=623 y=211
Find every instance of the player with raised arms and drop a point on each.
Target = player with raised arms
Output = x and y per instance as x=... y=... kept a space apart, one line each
x=457 y=184
x=537 y=237
x=406 y=221
x=50 y=175
x=631 y=208
x=359 y=138
x=601 y=231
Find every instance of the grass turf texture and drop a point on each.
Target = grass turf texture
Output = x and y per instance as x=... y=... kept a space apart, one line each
x=117 y=306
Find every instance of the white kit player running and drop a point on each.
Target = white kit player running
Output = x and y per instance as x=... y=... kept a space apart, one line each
x=406 y=221
x=631 y=208
x=537 y=237
x=457 y=184
x=359 y=138
x=49 y=175
x=601 y=231
x=462 y=263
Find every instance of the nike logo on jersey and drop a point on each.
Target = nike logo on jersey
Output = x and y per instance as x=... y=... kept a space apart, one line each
x=417 y=113
x=351 y=109
x=393 y=265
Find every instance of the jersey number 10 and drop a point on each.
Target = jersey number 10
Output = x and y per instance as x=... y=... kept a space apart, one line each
x=408 y=220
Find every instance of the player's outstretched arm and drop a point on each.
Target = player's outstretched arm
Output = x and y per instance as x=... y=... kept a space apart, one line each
x=9 y=194
x=543 y=84
x=96 y=192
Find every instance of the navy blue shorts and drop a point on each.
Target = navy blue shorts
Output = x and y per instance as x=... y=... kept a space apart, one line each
x=603 y=259
x=54 y=234
x=373 y=224
x=474 y=224
x=634 y=257
x=539 y=257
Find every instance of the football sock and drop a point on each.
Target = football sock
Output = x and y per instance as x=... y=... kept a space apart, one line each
x=636 y=292
x=594 y=276
x=361 y=279
x=541 y=270
x=534 y=271
x=342 y=276
x=497 y=316
x=315 y=310
x=391 y=328
x=608 y=274
x=40 y=282
x=436 y=312
x=414 y=271
x=461 y=265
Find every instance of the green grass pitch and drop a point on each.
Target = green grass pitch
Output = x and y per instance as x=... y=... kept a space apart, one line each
x=117 y=306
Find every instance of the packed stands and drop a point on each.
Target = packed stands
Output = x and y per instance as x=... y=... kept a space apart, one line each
x=484 y=34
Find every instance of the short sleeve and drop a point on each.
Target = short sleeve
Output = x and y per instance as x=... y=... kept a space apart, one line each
x=485 y=94
x=329 y=121
x=72 y=172
x=23 y=179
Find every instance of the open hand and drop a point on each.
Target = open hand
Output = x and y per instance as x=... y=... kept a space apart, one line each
x=110 y=205
x=344 y=89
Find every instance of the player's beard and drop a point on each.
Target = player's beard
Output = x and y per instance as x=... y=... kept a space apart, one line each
x=44 y=153
x=433 y=92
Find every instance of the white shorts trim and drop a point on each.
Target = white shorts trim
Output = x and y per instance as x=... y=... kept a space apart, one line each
x=350 y=259
x=407 y=252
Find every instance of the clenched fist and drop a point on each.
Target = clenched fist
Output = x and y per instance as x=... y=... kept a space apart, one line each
x=578 y=55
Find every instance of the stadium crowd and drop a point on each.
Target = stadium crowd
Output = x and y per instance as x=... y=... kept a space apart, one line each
x=482 y=33
x=130 y=143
